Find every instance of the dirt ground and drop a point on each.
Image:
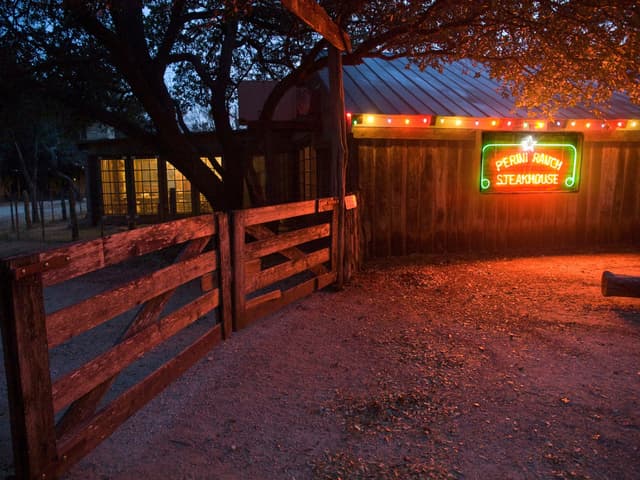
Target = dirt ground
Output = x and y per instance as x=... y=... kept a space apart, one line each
x=421 y=368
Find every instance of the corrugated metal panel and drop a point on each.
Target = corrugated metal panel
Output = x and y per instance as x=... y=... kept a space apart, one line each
x=461 y=89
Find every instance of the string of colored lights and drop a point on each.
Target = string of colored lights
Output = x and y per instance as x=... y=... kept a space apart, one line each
x=433 y=121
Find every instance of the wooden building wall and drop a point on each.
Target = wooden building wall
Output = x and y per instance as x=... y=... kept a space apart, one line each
x=420 y=194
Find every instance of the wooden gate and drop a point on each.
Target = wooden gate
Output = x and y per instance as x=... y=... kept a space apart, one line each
x=281 y=253
x=44 y=447
x=259 y=287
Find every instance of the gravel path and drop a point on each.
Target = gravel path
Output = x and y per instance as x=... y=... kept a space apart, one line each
x=420 y=368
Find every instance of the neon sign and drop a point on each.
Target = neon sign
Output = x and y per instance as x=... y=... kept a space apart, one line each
x=529 y=163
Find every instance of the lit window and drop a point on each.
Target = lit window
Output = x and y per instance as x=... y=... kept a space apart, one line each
x=145 y=173
x=179 y=189
x=114 y=186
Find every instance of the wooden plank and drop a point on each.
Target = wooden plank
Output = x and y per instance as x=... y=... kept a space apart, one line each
x=326 y=204
x=285 y=270
x=86 y=257
x=104 y=367
x=261 y=232
x=83 y=408
x=207 y=282
x=26 y=361
x=226 y=274
x=317 y=18
x=71 y=321
x=326 y=280
x=288 y=296
x=272 y=213
x=287 y=240
x=267 y=297
x=73 y=448
x=141 y=241
x=251 y=267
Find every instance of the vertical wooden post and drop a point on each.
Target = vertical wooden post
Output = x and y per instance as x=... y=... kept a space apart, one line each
x=338 y=150
x=334 y=238
x=224 y=250
x=26 y=358
x=239 y=296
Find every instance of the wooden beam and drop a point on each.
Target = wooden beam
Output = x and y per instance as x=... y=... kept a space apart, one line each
x=26 y=360
x=317 y=18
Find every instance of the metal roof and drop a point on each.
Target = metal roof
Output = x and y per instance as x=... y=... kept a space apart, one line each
x=461 y=89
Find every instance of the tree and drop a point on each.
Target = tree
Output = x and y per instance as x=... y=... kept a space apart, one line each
x=112 y=59
x=37 y=134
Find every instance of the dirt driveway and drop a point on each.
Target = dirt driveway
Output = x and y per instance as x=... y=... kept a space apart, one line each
x=421 y=368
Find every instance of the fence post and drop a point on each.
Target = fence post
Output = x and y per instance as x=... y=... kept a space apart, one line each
x=335 y=228
x=224 y=249
x=239 y=296
x=26 y=358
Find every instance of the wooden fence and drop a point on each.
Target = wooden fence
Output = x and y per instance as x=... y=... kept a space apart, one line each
x=281 y=253
x=252 y=259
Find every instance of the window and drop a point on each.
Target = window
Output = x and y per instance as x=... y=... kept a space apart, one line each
x=180 y=187
x=145 y=172
x=114 y=186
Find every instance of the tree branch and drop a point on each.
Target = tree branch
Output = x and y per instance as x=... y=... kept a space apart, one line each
x=176 y=22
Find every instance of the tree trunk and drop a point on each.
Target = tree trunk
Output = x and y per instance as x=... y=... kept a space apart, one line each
x=27 y=209
x=63 y=206
x=75 y=235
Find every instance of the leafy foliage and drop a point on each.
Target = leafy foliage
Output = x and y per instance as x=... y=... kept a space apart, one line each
x=142 y=66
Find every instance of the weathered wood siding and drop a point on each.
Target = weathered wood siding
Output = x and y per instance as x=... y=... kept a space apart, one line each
x=421 y=195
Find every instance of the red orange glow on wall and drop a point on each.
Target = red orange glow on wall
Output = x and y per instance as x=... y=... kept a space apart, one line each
x=530 y=164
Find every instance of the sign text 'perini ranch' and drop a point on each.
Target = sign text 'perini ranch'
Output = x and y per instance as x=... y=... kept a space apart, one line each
x=529 y=165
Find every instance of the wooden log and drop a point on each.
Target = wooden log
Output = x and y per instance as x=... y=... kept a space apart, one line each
x=26 y=360
x=613 y=285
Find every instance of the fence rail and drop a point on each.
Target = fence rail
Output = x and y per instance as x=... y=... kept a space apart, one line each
x=280 y=254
